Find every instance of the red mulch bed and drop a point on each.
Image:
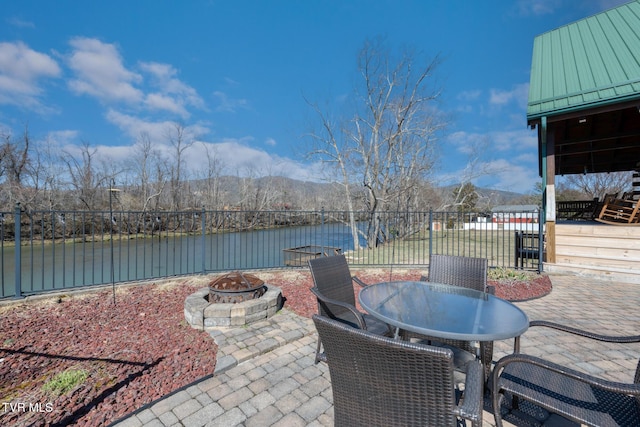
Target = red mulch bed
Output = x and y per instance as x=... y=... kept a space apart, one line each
x=134 y=352
x=295 y=286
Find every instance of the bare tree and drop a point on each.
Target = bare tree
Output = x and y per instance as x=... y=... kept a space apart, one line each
x=87 y=181
x=465 y=195
x=43 y=180
x=388 y=144
x=180 y=141
x=257 y=194
x=213 y=172
x=332 y=147
x=31 y=172
x=595 y=185
x=16 y=157
x=150 y=169
x=14 y=166
x=40 y=179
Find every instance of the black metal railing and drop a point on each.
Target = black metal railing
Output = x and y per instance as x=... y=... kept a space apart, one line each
x=581 y=210
x=43 y=251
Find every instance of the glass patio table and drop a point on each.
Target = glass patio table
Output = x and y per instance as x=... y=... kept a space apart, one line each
x=443 y=311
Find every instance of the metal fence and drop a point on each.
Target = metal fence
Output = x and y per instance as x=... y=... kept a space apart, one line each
x=54 y=250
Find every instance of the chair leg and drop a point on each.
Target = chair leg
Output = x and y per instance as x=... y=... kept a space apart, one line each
x=320 y=356
x=497 y=403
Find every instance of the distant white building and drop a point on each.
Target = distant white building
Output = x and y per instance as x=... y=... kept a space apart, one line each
x=515 y=214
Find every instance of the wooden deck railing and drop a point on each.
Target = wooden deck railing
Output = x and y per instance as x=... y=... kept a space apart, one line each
x=577 y=209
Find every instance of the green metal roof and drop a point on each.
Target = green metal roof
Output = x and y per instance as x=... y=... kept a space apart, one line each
x=586 y=64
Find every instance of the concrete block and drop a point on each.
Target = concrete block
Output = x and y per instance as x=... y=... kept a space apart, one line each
x=218 y=310
x=255 y=305
x=216 y=321
x=256 y=317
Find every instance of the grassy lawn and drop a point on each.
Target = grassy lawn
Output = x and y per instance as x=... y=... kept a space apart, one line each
x=495 y=245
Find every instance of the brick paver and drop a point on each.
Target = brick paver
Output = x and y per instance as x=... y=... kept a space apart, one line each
x=267 y=376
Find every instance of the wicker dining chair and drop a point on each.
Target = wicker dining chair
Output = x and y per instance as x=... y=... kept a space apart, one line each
x=379 y=381
x=333 y=288
x=466 y=272
x=575 y=395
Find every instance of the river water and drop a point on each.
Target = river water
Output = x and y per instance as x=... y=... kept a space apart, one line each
x=67 y=265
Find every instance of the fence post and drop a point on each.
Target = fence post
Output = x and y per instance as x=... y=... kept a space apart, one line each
x=322 y=239
x=18 y=254
x=541 y=215
x=430 y=232
x=204 y=240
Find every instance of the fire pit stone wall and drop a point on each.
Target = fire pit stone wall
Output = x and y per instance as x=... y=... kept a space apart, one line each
x=201 y=314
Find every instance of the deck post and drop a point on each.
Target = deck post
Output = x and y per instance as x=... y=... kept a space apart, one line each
x=547 y=139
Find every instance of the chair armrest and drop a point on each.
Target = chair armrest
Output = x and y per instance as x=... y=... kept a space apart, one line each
x=605 y=338
x=614 y=387
x=359 y=281
x=356 y=314
x=580 y=332
x=471 y=408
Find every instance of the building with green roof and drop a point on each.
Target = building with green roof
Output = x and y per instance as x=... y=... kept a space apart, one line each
x=584 y=100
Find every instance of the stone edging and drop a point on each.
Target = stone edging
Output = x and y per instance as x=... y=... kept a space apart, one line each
x=200 y=314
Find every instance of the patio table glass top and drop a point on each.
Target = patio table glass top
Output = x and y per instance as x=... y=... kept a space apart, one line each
x=443 y=311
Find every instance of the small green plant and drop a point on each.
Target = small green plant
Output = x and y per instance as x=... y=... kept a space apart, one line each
x=64 y=381
x=501 y=273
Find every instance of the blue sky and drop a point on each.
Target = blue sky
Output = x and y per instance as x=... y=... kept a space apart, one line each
x=235 y=74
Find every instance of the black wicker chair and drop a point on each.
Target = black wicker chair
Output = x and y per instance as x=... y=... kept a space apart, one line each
x=333 y=288
x=466 y=272
x=379 y=381
x=575 y=395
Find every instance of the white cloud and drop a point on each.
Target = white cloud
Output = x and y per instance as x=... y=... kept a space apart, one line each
x=227 y=104
x=608 y=4
x=100 y=72
x=20 y=23
x=538 y=7
x=511 y=176
x=241 y=159
x=499 y=174
x=63 y=137
x=157 y=131
x=507 y=160
x=173 y=95
x=469 y=95
x=21 y=71
x=235 y=155
x=514 y=140
x=114 y=154
x=467 y=99
x=230 y=81
x=465 y=141
x=530 y=158
x=271 y=142
x=518 y=94
x=497 y=141
x=134 y=126
x=159 y=101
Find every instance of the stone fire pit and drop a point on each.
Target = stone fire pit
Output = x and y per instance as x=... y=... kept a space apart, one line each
x=235 y=287
x=245 y=299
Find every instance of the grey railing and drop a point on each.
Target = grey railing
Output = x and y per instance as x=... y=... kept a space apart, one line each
x=43 y=251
